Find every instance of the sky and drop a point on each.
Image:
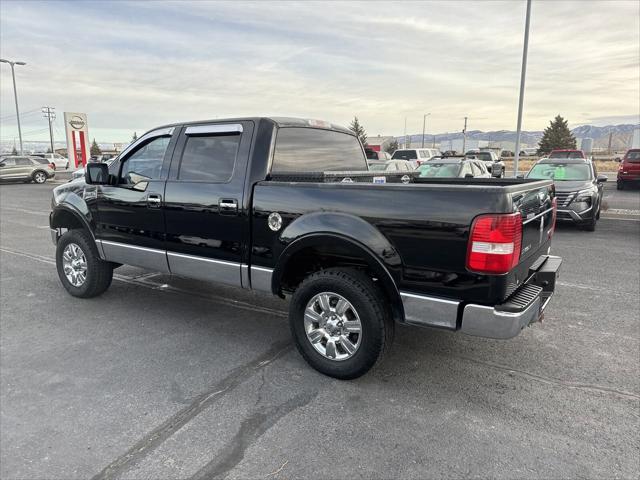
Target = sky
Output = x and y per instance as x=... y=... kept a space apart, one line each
x=134 y=66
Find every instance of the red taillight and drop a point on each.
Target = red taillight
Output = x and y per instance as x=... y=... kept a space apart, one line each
x=52 y=166
x=554 y=205
x=494 y=243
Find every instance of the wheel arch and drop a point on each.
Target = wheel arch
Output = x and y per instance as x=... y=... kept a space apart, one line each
x=319 y=250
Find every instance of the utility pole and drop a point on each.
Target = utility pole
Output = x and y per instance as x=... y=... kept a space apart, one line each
x=405 y=132
x=464 y=137
x=50 y=114
x=15 y=95
x=424 y=123
x=609 y=147
x=523 y=75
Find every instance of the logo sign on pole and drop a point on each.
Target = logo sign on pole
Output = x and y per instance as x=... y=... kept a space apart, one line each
x=77 y=137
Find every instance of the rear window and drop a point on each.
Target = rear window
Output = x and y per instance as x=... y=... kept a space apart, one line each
x=633 y=156
x=40 y=160
x=435 y=170
x=404 y=155
x=371 y=155
x=209 y=158
x=316 y=150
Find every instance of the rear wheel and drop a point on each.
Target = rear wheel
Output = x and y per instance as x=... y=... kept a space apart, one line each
x=340 y=323
x=80 y=269
x=620 y=185
x=39 y=177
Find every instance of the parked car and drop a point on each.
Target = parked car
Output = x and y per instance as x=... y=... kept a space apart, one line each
x=240 y=203
x=418 y=154
x=449 y=153
x=394 y=166
x=528 y=152
x=629 y=168
x=373 y=155
x=490 y=159
x=454 y=167
x=578 y=188
x=566 y=153
x=58 y=160
x=26 y=168
x=507 y=154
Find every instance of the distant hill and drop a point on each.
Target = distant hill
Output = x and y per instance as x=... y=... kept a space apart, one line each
x=621 y=136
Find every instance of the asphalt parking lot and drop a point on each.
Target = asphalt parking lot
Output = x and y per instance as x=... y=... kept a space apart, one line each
x=167 y=378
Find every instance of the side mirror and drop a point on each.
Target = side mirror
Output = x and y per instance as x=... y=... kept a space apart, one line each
x=96 y=174
x=2 y=164
x=602 y=178
x=469 y=175
x=520 y=176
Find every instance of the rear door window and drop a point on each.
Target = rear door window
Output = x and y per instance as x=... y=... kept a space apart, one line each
x=23 y=161
x=315 y=150
x=209 y=158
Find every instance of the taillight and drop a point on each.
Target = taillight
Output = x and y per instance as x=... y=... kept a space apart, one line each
x=554 y=205
x=52 y=166
x=494 y=243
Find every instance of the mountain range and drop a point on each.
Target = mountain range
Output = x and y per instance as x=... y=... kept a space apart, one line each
x=620 y=136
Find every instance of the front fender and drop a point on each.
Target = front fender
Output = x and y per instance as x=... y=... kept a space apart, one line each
x=70 y=202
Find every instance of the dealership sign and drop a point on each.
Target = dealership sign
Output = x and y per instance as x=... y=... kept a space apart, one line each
x=77 y=138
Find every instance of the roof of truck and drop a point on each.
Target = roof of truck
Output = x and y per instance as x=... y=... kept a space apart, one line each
x=279 y=121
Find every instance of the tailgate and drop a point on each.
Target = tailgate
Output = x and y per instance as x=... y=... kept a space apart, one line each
x=536 y=208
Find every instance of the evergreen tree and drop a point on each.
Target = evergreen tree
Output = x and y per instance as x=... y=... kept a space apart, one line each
x=135 y=137
x=393 y=146
x=14 y=151
x=557 y=136
x=358 y=129
x=95 y=149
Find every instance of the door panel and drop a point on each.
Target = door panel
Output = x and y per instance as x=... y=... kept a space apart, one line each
x=130 y=216
x=204 y=217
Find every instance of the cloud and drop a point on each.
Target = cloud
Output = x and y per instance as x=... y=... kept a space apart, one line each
x=132 y=66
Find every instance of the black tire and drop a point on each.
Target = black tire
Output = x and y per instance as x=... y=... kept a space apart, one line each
x=620 y=185
x=98 y=272
x=371 y=305
x=39 y=177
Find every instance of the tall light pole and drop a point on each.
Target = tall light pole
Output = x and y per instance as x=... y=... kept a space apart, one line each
x=424 y=123
x=405 y=132
x=523 y=75
x=15 y=94
x=464 y=137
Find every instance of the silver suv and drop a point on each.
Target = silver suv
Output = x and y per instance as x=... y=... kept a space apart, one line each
x=25 y=168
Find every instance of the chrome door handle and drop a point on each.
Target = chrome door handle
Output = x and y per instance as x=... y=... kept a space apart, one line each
x=228 y=206
x=154 y=200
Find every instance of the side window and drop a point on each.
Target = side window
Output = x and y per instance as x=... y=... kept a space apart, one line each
x=209 y=158
x=145 y=163
x=423 y=154
x=23 y=162
x=8 y=162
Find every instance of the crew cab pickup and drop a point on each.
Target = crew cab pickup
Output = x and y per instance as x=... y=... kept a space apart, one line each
x=287 y=207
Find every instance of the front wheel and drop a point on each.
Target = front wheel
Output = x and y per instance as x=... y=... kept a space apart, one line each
x=340 y=323
x=620 y=185
x=80 y=269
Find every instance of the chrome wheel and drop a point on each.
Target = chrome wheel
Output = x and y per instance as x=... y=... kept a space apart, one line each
x=74 y=264
x=40 y=177
x=332 y=326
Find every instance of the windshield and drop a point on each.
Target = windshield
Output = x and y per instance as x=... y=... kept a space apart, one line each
x=633 y=156
x=432 y=170
x=404 y=155
x=561 y=171
x=573 y=154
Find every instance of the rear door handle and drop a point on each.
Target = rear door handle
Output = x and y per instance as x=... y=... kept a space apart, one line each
x=228 y=206
x=154 y=200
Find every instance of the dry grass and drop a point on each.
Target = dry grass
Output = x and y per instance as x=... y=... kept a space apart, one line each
x=524 y=165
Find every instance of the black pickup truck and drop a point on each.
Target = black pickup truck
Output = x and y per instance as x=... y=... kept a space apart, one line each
x=286 y=206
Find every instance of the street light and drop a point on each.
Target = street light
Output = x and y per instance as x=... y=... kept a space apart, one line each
x=424 y=123
x=523 y=75
x=15 y=94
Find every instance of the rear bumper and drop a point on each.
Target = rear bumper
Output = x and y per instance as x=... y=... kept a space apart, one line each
x=525 y=306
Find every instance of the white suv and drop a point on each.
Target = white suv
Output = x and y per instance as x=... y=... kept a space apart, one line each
x=419 y=155
x=58 y=160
